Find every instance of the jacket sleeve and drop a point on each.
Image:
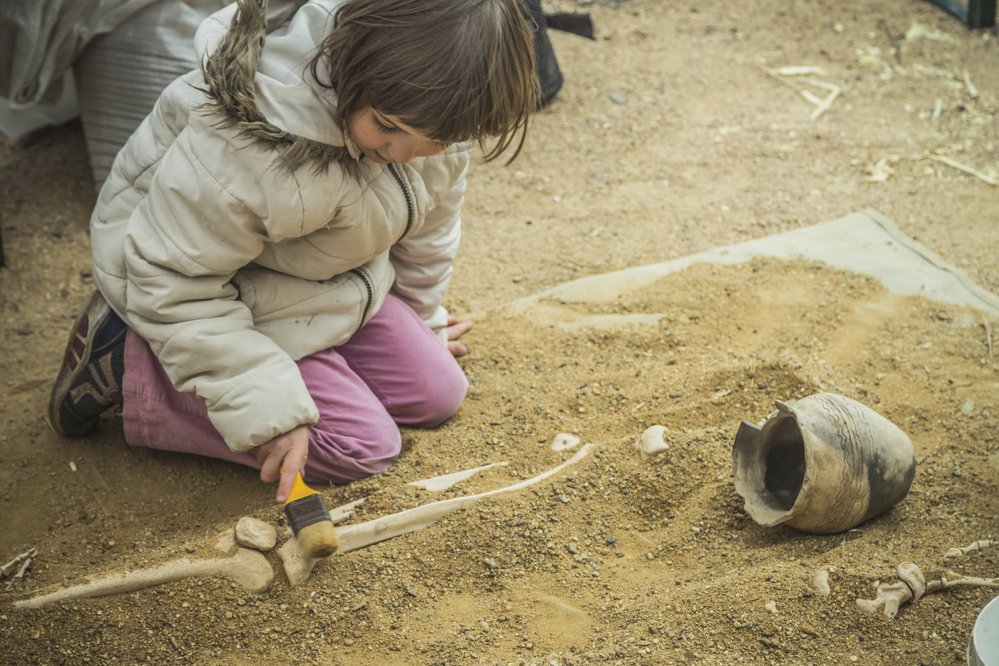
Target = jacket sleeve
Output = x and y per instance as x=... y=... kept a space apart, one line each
x=185 y=241
x=423 y=260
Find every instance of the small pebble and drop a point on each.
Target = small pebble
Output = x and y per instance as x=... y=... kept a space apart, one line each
x=617 y=98
x=255 y=533
x=490 y=562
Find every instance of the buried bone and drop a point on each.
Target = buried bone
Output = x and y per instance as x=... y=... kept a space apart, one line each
x=564 y=441
x=971 y=547
x=652 y=442
x=298 y=566
x=17 y=566
x=913 y=585
x=353 y=537
x=822 y=464
x=247 y=568
x=445 y=481
x=821 y=581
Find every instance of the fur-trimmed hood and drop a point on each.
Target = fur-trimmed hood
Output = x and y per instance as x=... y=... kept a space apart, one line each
x=263 y=86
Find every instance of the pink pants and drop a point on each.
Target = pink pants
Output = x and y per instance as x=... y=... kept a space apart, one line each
x=394 y=371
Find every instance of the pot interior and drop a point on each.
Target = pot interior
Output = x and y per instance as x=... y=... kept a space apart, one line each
x=784 y=462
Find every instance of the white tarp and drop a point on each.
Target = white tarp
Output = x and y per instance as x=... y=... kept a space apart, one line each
x=865 y=242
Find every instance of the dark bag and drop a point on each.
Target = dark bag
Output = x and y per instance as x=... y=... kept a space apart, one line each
x=549 y=74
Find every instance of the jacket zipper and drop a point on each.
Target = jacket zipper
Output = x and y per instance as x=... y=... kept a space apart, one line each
x=371 y=294
x=410 y=212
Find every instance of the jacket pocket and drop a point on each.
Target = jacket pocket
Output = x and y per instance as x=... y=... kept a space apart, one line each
x=306 y=316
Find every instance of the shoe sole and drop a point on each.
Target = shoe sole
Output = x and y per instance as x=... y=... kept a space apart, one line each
x=66 y=375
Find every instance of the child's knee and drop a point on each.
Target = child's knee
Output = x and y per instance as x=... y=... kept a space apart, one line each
x=444 y=395
x=342 y=457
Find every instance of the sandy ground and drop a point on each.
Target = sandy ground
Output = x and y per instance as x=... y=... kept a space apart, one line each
x=668 y=138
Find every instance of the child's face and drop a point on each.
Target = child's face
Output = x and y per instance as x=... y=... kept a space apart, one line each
x=384 y=138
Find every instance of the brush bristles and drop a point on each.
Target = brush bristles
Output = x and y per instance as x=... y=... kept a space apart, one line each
x=318 y=539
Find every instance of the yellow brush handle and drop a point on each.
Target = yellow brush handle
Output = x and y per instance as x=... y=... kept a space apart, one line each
x=299 y=490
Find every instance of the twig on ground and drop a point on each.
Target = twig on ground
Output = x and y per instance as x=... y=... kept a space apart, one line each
x=821 y=104
x=988 y=345
x=984 y=177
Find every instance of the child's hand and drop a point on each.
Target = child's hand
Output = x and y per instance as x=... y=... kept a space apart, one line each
x=455 y=329
x=282 y=458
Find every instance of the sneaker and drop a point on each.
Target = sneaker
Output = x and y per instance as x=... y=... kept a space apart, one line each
x=89 y=382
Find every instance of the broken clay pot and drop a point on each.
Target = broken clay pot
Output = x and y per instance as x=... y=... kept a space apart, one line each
x=822 y=464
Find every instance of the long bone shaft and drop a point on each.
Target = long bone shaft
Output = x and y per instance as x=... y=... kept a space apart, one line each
x=247 y=568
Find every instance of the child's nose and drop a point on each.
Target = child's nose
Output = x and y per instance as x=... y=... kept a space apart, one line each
x=403 y=150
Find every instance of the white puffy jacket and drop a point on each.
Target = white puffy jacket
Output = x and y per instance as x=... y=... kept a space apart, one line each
x=232 y=266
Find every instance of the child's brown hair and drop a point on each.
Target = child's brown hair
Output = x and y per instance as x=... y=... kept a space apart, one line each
x=455 y=70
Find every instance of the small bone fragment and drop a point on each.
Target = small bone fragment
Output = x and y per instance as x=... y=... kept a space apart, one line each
x=564 y=441
x=255 y=533
x=17 y=562
x=445 y=481
x=972 y=90
x=971 y=547
x=888 y=595
x=652 y=442
x=353 y=537
x=880 y=172
x=821 y=582
x=913 y=577
x=951 y=579
x=718 y=395
x=247 y=568
x=297 y=565
x=913 y=585
x=797 y=70
x=984 y=177
x=937 y=110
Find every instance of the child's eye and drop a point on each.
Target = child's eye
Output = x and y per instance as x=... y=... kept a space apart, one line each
x=383 y=127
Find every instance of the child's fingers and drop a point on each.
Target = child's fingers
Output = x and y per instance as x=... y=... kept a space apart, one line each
x=271 y=461
x=456 y=329
x=287 y=480
x=293 y=461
